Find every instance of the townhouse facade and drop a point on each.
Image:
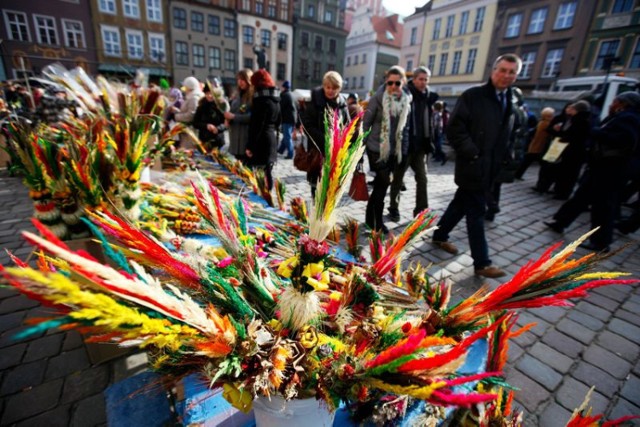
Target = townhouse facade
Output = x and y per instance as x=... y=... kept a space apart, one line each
x=456 y=43
x=35 y=34
x=319 y=41
x=130 y=35
x=412 y=37
x=547 y=35
x=612 y=43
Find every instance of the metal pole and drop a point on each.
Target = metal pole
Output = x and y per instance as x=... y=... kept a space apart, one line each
x=26 y=80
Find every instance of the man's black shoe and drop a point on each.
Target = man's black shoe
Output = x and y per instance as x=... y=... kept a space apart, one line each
x=554 y=226
x=489 y=216
x=394 y=215
x=591 y=247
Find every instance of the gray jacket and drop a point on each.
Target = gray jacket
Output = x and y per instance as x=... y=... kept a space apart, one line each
x=239 y=126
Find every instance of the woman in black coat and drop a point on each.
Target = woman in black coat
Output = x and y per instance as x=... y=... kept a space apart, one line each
x=209 y=120
x=265 y=120
x=322 y=98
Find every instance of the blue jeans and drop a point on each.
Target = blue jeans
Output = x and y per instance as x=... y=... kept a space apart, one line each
x=472 y=205
x=287 y=141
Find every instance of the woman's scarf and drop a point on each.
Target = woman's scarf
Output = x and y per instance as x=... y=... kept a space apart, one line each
x=396 y=107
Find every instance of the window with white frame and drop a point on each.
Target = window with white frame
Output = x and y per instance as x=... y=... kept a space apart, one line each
x=353 y=83
x=635 y=57
x=528 y=61
x=413 y=39
x=182 y=53
x=259 y=7
x=409 y=64
x=318 y=42
x=73 y=34
x=317 y=69
x=364 y=58
x=311 y=11
x=477 y=24
x=566 y=13
x=284 y=10
x=154 y=11
x=246 y=4
x=135 y=47
x=444 y=57
x=432 y=62
x=247 y=63
x=265 y=38
x=110 y=41
x=304 y=39
x=513 y=25
x=436 y=28
x=464 y=22
x=229 y=60
x=552 y=62
x=622 y=6
x=304 y=68
x=198 y=55
x=197 y=22
x=536 y=23
x=214 y=58
x=608 y=49
x=281 y=71
x=271 y=9
x=355 y=59
x=346 y=83
x=471 y=60
x=46 y=31
x=348 y=61
x=361 y=82
x=107 y=6
x=157 y=47
x=248 y=34
x=448 y=32
x=328 y=16
x=333 y=45
x=457 y=59
x=131 y=8
x=16 y=24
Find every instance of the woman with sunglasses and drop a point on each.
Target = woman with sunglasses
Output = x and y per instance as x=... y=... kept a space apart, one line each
x=388 y=140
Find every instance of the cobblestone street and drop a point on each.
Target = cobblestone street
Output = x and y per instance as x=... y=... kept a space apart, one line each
x=51 y=379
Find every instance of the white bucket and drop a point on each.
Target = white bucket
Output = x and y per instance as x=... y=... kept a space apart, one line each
x=277 y=412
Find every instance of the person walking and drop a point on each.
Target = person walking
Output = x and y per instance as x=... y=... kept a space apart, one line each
x=613 y=145
x=239 y=115
x=479 y=131
x=387 y=115
x=438 y=133
x=265 y=120
x=323 y=98
x=421 y=140
x=539 y=143
x=289 y=113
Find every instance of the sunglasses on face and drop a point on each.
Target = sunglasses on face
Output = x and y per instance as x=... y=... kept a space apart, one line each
x=391 y=83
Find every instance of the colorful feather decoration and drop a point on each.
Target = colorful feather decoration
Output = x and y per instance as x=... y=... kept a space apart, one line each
x=342 y=154
x=581 y=416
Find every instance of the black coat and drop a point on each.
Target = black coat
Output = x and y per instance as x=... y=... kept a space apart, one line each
x=577 y=135
x=314 y=114
x=208 y=113
x=479 y=133
x=288 y=108
x=419 y=103
x=263 y=125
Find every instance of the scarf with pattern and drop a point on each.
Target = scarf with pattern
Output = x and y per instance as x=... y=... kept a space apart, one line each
x=396 y=107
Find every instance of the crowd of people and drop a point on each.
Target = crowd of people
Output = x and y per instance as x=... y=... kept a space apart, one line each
x=494 y=136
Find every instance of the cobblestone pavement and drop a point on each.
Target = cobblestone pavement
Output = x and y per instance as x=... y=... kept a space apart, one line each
x=52 y=379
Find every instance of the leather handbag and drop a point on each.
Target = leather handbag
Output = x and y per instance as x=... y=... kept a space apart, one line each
x=358 y=190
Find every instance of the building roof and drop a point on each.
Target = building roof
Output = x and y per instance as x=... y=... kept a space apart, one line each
x=388 y=30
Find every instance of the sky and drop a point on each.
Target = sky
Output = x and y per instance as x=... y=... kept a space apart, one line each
x=403 y=7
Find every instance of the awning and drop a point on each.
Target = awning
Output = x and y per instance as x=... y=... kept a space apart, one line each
x=129 y=69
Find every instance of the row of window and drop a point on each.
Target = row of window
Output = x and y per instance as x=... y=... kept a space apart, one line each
x=272 y=6
x=450 y=25
x=248 y=37
x=311 y=14
x=197 y=23
x=318 y=42
x=355 y=59
x=610 y=49
x=131 y=8
x=455 y=65
x=564 y=20
x=46 y=29
x=134 y=40
x=281 y=68
x=317 y=69
x=353 y=84
x=199 y=60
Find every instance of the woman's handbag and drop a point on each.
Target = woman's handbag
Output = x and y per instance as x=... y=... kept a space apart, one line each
x=306 y=160
x=555 y=150
x=358 y=190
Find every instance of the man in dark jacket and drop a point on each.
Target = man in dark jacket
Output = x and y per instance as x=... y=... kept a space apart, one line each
x=478 y=131
x=289 y=113
x=421 y=138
